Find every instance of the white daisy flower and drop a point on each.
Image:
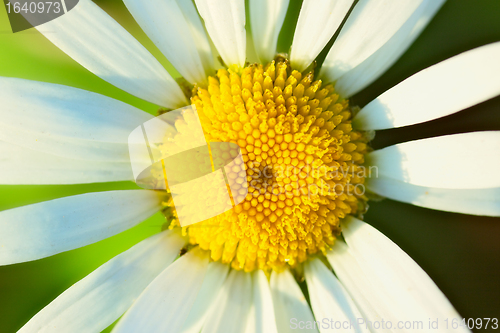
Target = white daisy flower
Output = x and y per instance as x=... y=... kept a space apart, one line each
x=239 y=271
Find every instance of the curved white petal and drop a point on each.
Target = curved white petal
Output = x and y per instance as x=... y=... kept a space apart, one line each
x=318 y=21
x=91 y=37
x=47 y=228
x=290 y=305
x=266 y=19
x=330 y=301
x=250 y=324
x=459 y=161
x=445 y=88
x=96 y=301
x=225 y=23
x=484 y=201
x=65 y=121
x=261 y=318
x=214 y=279
x=22 y=166
x=176 y=29
x=165 y=304
x=370 y=25
x=410 y=292
x=363 y=291
x=230 y=311
x=375 y=65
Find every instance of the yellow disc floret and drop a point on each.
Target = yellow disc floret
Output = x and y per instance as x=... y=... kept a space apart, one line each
x=303 y=162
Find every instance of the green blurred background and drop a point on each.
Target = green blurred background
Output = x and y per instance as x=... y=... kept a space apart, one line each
x=461 y=253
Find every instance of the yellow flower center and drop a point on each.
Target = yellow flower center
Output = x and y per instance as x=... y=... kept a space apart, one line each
x=303 y=162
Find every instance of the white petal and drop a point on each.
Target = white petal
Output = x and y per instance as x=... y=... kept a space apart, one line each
x=251 y=324
x=318 y=21
x=92 y=38
x=165 y=304
x=364 y=293
x=214 y=279
x=459 y=161
x=229 y=313
x=20 y=165
x=266 y=18
x=44 y=229
x=53 y=134
x=329 y=300
x=65 y=121
x=96 y=301
x=476 y=202
x=406 y=287
x=375 y=65
x=176 y=29
x=369 y=26
x=225 y=23
x=290 y=305
x=261 y=318
x=440 y=90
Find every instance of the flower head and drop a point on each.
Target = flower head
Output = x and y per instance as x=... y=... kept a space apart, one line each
x=304 y=153
x=303 y=162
